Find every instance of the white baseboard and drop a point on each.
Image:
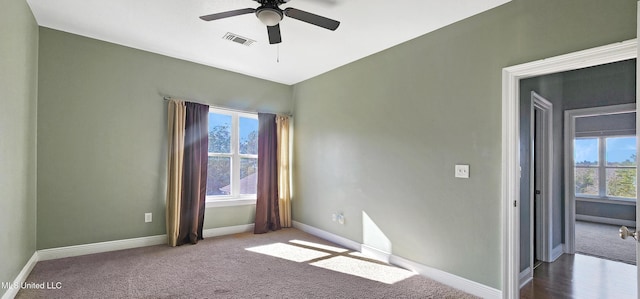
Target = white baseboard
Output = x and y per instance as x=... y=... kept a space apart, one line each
x=77 y=250
x=606 y=220
x=557 y=252
x=449 y=279
x=11 y=292
x=227 y=230
x=84 y=249
x=327 y=236
x=443 y=277
x=525 y=276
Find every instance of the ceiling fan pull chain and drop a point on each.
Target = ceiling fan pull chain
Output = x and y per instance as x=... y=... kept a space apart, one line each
x=278 y=54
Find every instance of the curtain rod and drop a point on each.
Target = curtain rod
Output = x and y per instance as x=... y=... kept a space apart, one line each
x=166 y=98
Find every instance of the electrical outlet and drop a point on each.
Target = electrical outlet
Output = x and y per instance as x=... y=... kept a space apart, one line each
x=148 y=217
x=462 y=171
x=334 y=217
x=340 y=218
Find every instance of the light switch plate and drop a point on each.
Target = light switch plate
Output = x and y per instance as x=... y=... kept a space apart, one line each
x=148 y=217
x=462 y=171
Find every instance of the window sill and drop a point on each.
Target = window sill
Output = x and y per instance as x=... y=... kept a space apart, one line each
x=618 y=201
x=231 y=202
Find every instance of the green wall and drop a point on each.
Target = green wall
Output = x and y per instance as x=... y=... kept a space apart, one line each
x=101 y=136
x=376 y=139
x=18 y=88
x=381 y=135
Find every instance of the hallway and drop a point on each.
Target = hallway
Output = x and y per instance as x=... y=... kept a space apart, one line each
x=581 y=276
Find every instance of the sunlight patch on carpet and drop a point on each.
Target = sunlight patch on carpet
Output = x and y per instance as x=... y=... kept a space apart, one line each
x=364 y=269
x=366 y=256
x=288 y=252
x=319 y=246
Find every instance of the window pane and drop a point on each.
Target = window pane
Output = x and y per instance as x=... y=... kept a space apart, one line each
x=219 y=133
x=621 y=182
x=585 y=151
x=248 y=175
x=219 y=176
x=248 y=136
x=621 y=151
x=586 y=181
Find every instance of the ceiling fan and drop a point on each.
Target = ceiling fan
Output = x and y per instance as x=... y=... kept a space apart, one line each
x=271 y=14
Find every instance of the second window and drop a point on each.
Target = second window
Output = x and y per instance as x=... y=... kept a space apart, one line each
x=233 y=155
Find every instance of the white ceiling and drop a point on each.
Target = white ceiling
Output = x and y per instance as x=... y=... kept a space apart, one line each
x=172 y=28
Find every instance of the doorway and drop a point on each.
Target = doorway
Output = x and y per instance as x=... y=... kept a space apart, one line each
x=536 y=196
x=600 y=178
x=511 y=136
x=574 y=90
x=536 y=226
x=541 y=182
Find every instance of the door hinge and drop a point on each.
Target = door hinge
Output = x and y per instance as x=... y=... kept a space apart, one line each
x=515 y=203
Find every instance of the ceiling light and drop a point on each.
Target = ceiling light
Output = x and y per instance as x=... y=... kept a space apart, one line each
x=269 y=16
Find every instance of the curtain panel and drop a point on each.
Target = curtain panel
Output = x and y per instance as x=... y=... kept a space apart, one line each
x=267 y=208
x=187 y=171
x=284 y=169
x=195 y=173
x=176 y=122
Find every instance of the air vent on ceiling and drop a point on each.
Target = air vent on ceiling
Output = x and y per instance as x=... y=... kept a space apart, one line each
x=238 y=39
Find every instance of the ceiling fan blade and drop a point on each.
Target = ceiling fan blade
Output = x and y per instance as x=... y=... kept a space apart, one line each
x=226 y=14
x=274 y=34
x=311 y=18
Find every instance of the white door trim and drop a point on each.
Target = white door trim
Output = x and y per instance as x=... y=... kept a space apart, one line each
x=569 y=179
x=510 y=173
x=545 y=244
x=637 y=147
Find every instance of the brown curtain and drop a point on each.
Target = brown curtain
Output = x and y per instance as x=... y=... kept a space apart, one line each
x=195 y=173
x=176 y=120
x=284 y=170
x=267 y=210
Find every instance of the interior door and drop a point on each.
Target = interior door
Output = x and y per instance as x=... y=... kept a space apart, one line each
x=537 y=189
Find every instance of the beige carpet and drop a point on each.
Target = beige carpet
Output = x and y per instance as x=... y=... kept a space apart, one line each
x=603 y=241
x=284 y=264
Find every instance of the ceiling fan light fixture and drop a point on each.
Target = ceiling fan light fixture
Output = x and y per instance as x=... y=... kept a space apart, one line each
x=269 y=16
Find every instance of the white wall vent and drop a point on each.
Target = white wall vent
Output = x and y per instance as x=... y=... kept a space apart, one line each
x=238 y=39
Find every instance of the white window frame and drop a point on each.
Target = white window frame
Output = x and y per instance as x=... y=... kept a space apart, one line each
x=602 y=169
x=235 y=198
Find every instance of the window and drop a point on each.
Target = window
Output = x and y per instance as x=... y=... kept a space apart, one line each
x=605 y=167
x=233 y=156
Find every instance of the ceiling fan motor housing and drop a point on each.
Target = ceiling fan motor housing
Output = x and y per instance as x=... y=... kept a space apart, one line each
x=269 y=15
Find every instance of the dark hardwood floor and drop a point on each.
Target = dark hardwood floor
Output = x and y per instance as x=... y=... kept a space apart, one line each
x=581 y=276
